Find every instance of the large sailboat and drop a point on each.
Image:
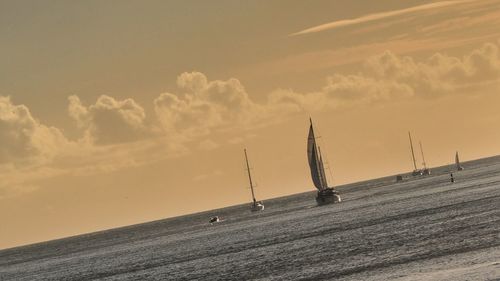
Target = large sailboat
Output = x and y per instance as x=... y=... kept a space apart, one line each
x=457 y=162
x=256 y=205
x=325 y=194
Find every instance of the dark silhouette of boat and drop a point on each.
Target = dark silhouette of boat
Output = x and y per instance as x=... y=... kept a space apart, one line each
x=457 y=162
x=425 y=171
x=325 y=194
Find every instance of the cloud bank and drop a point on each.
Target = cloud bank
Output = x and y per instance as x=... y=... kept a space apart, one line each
x=116 y=134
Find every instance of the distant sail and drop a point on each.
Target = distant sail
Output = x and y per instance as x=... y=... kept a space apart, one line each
x=457 y=162
x=315 y=162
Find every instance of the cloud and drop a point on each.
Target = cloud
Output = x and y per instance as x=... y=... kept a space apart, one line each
x=24 y=139
x=117 y=134
x=364 y=89
x=207 y=144
x=377 y=16
x=389 y=77
x=110 y=121
x=204 y=105
x=440 y=74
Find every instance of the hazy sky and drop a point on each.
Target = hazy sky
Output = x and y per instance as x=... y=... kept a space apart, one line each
x=120 y=112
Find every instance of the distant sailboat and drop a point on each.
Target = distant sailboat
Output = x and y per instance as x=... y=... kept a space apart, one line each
x=416 y=171
x=425 y=171
x=457 y=162
x=325 y=194
x=256 y=205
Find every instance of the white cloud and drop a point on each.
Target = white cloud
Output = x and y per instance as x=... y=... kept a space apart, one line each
x=204 y=105
x=24 y=139
x=389 y=77
x=110 y=121
x=440 y=74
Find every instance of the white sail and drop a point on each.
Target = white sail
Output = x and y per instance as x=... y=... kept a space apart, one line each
x=315 y=162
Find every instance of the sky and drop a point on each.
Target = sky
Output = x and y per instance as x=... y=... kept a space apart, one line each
x=120 y=112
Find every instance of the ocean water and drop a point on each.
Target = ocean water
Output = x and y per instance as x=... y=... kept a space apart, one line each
x=423 y=228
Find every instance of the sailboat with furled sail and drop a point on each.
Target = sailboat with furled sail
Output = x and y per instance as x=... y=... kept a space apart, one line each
x=325 y=194
x=425 y=171
x=256 y=205
x=416 y=171
x=457 y=162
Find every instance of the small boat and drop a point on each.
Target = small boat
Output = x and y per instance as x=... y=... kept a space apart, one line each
x=426 y=171
x=457 y=163
x=416 y=171
x=214 y=219
x=325 y=194
x=256 y=205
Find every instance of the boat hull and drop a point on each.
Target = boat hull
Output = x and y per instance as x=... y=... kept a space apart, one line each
x=259 y=206
x=327 y=196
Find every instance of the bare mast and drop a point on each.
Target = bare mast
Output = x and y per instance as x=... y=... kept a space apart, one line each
x=423 y=158
x=250 y=177
x=412 y=152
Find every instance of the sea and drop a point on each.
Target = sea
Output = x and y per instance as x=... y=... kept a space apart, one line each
x=420 y=228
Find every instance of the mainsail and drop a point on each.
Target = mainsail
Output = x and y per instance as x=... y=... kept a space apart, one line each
x=315 y=161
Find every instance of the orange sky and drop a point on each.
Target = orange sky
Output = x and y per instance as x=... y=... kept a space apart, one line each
x=120 y=112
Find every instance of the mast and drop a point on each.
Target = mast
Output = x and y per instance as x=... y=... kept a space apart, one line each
x=250 y=177
x=423 y=158
x=412 y=152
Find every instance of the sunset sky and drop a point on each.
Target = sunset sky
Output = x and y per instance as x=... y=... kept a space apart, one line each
x=120 y=112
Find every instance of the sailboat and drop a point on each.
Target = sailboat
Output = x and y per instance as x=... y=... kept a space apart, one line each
x=425 y=171
x=325 y=194
x=416 y=171
x=256 y=205
x=457 y=162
